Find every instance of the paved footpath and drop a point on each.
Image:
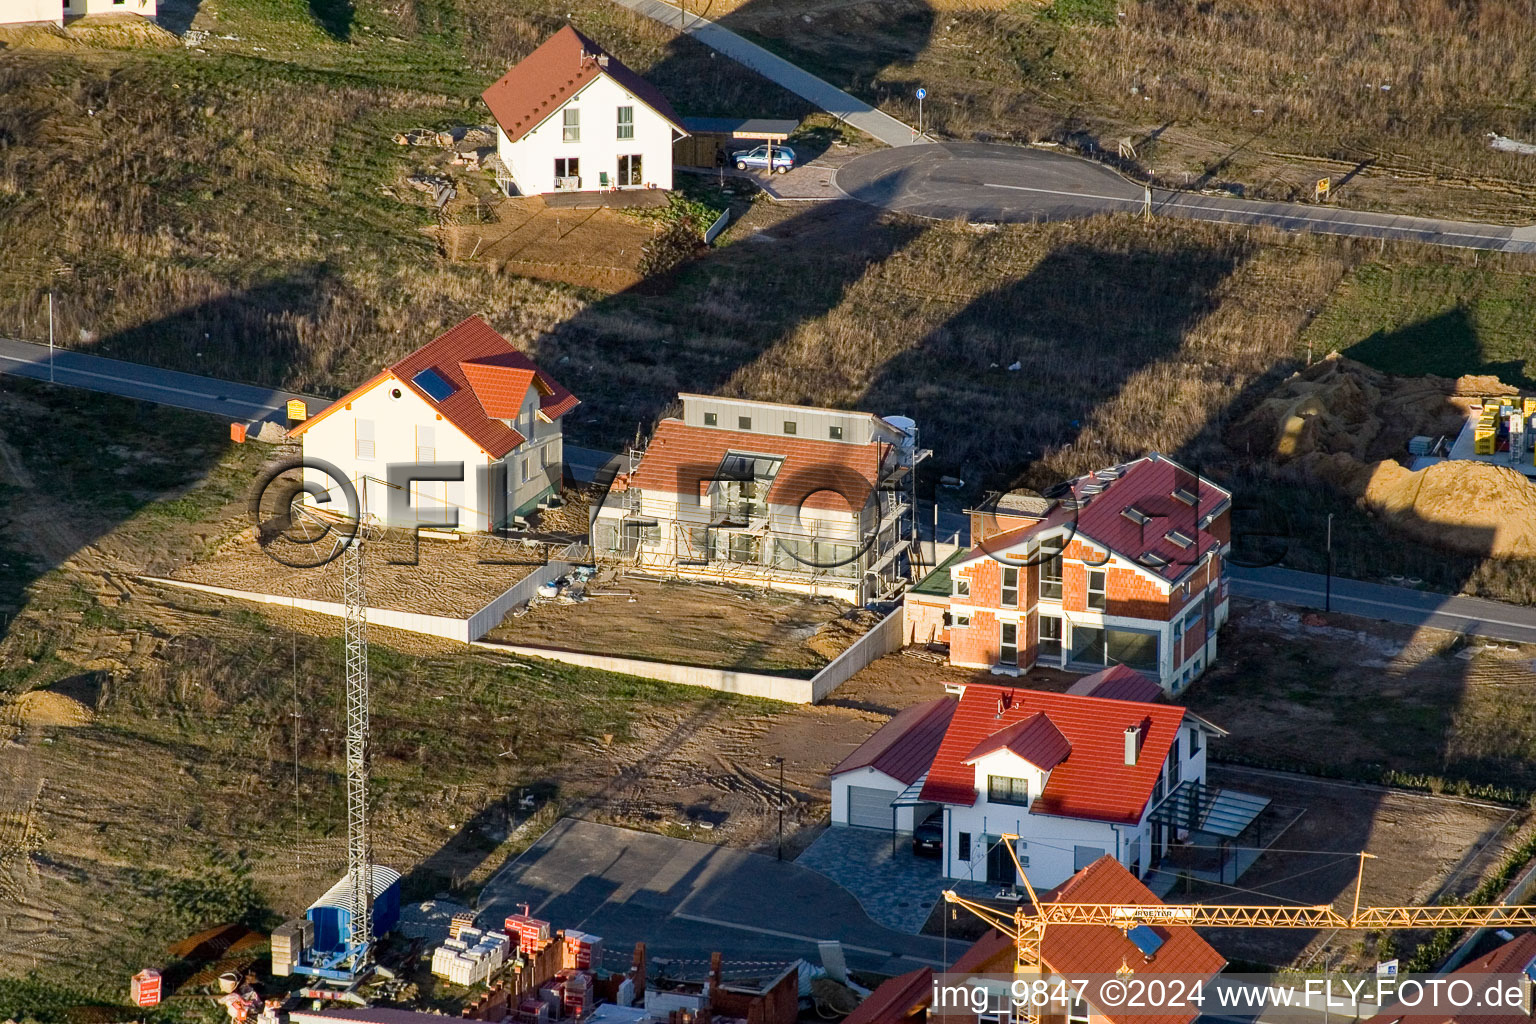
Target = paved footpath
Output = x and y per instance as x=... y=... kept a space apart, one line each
x=776 y=69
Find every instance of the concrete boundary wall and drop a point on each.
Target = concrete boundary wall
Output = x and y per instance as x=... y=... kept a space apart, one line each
x=883 y=639
x=750 y=684
x=487 y=618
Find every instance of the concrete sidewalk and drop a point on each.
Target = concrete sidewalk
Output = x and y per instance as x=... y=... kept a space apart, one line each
x=802 y=83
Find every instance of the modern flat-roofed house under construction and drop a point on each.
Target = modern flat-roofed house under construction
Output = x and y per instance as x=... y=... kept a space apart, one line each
x=817 y=501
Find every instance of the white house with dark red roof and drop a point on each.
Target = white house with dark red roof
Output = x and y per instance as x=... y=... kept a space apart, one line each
x=791 y=497
x=571 y=117
x=1125 y=566
x=876 y=786
x=1076 y=778
x=466 y=399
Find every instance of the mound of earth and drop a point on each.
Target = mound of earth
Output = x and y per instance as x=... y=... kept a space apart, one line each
x=1339 y=406
x=840 y=634
x=45 y=708
x=1468 y=506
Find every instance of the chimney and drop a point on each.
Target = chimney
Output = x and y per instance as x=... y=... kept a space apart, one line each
x=1132 y=743
x=637 y=973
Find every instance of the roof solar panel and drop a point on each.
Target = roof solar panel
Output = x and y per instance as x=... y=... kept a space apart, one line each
x=1145 y=939
x=432 y=382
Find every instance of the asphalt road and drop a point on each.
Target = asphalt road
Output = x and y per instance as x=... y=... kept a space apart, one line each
x=242 y=403
x=688 y=899
x=1010 y=184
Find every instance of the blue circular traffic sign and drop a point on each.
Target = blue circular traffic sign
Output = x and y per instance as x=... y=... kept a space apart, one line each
x=922 y=94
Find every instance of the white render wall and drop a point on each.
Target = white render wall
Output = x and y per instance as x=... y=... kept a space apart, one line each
x=531 y=159
x=143 y=8
x=401 y=427
x=17 y=12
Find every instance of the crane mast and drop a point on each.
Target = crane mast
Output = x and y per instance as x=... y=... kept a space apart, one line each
x=359 y=843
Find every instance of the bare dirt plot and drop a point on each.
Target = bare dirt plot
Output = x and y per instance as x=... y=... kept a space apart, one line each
x=435 y=577
x=1374 y=701
x=693 y=623
x=1424 y=847
x=597 y=248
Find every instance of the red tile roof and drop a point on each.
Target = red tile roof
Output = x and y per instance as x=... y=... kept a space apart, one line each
x=896 y=999
x=1093 y=782
x=1147 y=486
x=1510 y=958
x=830 y=475
x=483 y=369
x=1118 y=682
x=903 y=748
x=1035 y=739
x=540 y=83
x=1102 y=949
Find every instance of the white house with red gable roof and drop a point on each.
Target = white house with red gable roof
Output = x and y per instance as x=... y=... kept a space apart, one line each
x=571 y=117
x=467 y=398
x=1125 y=566
x=1076 y=778
x=869 y=785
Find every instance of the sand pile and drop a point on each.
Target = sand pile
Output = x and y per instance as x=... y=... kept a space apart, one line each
x=1340 y=406
x=121 y=31
x=45 y=708
x=1469 y=506
x=838 y=635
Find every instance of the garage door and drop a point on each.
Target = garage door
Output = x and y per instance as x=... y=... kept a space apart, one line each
x=870 y=808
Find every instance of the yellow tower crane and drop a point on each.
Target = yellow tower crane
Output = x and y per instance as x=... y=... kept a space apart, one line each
x=1027 y=927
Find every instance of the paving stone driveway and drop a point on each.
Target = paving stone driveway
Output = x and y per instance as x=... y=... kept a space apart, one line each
x=897 y=889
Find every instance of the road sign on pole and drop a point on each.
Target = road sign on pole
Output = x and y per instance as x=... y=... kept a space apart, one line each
x=1323 y=185
x=922 y=94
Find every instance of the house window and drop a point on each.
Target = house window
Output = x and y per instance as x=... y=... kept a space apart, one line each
x=835 y=433
x=962 y=620
x=1192 y=617
x=1175 y=771
x=711 y=420
x=629 y=170
x=1050 y=570
x=1003 y=790
x=1010 y=586
x=1077 y=1012
x=626 y=122
x=571 y=131
x=963 y=846
x=1050 y=636
x=1008 y=648
x=525 y=469
x=567 y=167
x=962 y=586
x=743 y=422
x=1097 y=598
x=789 y=426
x=1194 y=742
x=364 y=439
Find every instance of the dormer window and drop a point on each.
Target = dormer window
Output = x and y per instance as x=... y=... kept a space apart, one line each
x=1180 y=538
x=1186 y=495
x=1135 y=515
x=1002 y=789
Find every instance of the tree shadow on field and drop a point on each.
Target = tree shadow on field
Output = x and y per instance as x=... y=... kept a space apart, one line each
x=1447 y=345
x=335 y=16
x=1032 y=359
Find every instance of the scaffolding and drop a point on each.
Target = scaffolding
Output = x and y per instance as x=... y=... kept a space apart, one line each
x=888 y=554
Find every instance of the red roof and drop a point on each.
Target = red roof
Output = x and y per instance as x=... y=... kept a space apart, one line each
x=833 y=475
x=1116 y=501
x=540 y=83
x=1035 y=739
x=1093 y=781
x=1077 y=950
x=896 y=999
x=1118 y=682
x=1511 y=958
x=903 y=748
x=483 y=370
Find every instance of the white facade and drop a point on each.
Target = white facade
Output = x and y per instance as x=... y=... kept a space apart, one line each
x=905 y=819
x=17 y=12
x=390 y=423
x=1053 y=848
x=607 y=151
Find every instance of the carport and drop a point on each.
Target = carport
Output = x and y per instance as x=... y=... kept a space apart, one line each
x=709 y=137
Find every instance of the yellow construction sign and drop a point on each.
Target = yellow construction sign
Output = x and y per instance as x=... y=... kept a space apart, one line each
x=297 y=411
x=1323 y=184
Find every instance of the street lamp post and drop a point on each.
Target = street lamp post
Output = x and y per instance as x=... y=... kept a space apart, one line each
x=1328 y=579
x=781 y=806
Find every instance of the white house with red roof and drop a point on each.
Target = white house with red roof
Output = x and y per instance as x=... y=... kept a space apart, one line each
x=571 y=117
x=1080 y=951
x=790 y=497
x=876 y=786
x=467 y=398
x=1076 y=778
x=1125 y=566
